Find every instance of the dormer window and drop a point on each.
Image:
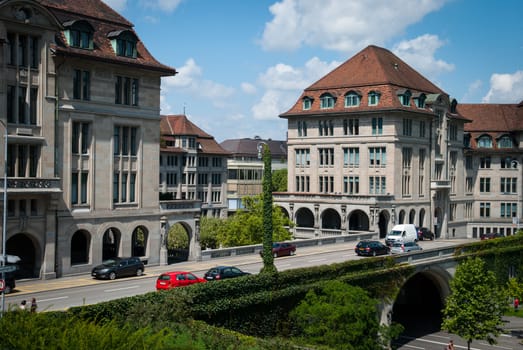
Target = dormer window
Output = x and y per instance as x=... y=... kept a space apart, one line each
x=505 y=141
x=404 y=97
x=419 y=100
x=485 y=141
x=327 y=101
x=374 y=98
x=79 y=34
x=306 y=103
x=352 y=99
x=124 y=43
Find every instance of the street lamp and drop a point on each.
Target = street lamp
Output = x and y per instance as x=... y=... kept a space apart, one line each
x=4 y=215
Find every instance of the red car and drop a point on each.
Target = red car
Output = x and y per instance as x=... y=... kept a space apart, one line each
x=282 y=249
x=175 y=279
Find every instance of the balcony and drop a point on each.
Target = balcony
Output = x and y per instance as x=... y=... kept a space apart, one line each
x=440 y=184
x=31 y=185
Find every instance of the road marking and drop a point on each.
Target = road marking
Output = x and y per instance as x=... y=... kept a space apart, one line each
x=495 y=346
x=51 y=299
x=412 y=346
x=437 y=342
x=119 y=289
x=316 y=260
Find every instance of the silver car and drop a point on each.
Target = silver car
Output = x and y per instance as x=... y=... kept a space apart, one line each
x=399 y=247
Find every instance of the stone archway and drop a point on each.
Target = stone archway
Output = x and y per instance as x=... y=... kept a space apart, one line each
x=139 y=240
x=358 y=221
x=178 y=242
x=23 y=246
x=80 y=246
x=383 y=223
x=304 y=218
x=412 y=216
x=330 y=219
x=111 y=243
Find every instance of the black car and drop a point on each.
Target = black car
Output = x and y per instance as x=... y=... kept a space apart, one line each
x=223 y=272
x=371 y=248
x=118 y=267
x=425 y=233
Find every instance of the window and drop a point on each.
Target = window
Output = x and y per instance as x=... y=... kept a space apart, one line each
x=377 y=156
x=125 y=140
x=303 y=157
x=126 y=91
x=81 y=85
x=468 y=162
x=80 y=138
x=203 y=162
x=326 y=156
x=306 y=103
x=469 y=184
x=505 y=141
x=351 y=184
x=453 y=132
x=326 y=127
x=509 y=163
x=485 y=141
x=22 y=160
x=508 y=184
x=407 y=127
x=124 y=187
x=377 y=185
x=124 y=43
x=79 y=180
x=421 y=176
x=327 y=101
x=352 y=99
x=377 y=126
x=422 y=128
x=404 y=97
x=79 y=34
x=21 y=105
x=508 y=210
x=420 y=100
x=406 y=176
x=302 y=184
x=351 y=126
x=374 y=98
x=302 y=128
x=217 y=162
x=484 y=209
x=216 y=179
x=484 y=163
x=484 y=184
x=326 y=184
x=351 y=157
x=23 y=50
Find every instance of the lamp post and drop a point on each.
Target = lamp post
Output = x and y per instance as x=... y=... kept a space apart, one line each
x=268 y=260
x=4 y=216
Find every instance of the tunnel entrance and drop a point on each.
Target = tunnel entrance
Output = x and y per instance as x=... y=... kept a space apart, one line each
x=418 y=306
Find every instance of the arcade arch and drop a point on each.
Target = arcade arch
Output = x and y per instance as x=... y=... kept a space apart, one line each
x=330 y=219
x=80 y=245
x=111 y=243
x=27 y=249
x=304 y=218
x=358 y=221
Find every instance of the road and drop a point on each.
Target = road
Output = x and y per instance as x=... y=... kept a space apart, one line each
x=63 y=293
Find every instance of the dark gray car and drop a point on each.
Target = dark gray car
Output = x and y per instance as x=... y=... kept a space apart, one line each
x=118 y=267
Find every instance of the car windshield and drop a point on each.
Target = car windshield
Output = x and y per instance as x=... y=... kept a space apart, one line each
x=395 y=233
x=111 y=262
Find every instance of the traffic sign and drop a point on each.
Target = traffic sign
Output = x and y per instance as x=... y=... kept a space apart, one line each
x=2 y=285
x=7 y=268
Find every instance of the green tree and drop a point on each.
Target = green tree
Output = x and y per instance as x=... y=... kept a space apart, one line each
x=177 y=237
x=209 y=228
x=268 y=258
x=476 y=304
x=340 y=316
x=279 y=180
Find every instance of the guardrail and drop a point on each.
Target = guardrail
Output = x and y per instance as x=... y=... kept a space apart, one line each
x=256 y=248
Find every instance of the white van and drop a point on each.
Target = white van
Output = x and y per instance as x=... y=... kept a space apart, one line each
x=402 y=233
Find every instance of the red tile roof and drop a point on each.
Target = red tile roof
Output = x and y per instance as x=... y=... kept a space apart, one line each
x=180 y=125
x=372 y=69
x=492 y=117
x=104 y=20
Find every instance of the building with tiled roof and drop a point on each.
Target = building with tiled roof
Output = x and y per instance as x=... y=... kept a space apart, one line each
x=80 y=102
x=245 y=166
x=193 y=166
x=372 y=144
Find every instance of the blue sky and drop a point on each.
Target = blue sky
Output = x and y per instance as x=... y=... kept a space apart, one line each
x=241 y=63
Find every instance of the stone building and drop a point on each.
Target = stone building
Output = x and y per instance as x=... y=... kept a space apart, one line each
x=372 y=144
x=80 y=102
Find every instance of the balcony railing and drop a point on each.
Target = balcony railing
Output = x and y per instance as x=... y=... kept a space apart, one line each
x=31 y=185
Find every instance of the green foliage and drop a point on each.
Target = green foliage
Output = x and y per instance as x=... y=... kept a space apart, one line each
x=279 y=180
x=243 y=228
x=209 y=228
x=177 y=238
x=514 y=288
x=340 y=316
x=476 y=304
x=268 y=259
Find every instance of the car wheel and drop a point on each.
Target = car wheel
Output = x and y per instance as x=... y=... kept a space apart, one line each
x=139 y=272
x=292 y=253
x=112 y=275
x=275 y=255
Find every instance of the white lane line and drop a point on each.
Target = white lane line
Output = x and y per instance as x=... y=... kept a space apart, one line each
x=316 y=260
x=119 y=289
x=51 y=299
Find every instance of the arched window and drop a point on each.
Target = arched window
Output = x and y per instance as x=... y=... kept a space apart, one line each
x=505 y=141
x=485 y=141
x=124 y=43
x=352 y=99
x=80 y=244
x=327 y=101
x=420 y=100
x=404 y=97
x=374 y=98
x=307 y=103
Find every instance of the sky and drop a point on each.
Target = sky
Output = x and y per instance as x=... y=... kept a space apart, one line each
x=242 y=63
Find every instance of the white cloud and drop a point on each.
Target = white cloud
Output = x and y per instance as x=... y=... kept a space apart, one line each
x=340 y=25
x=472 y=89
x=248 y=88
x=505 y=88
x=419 y=53
x=117 y=5
x=189 y=80
x=162 y=5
